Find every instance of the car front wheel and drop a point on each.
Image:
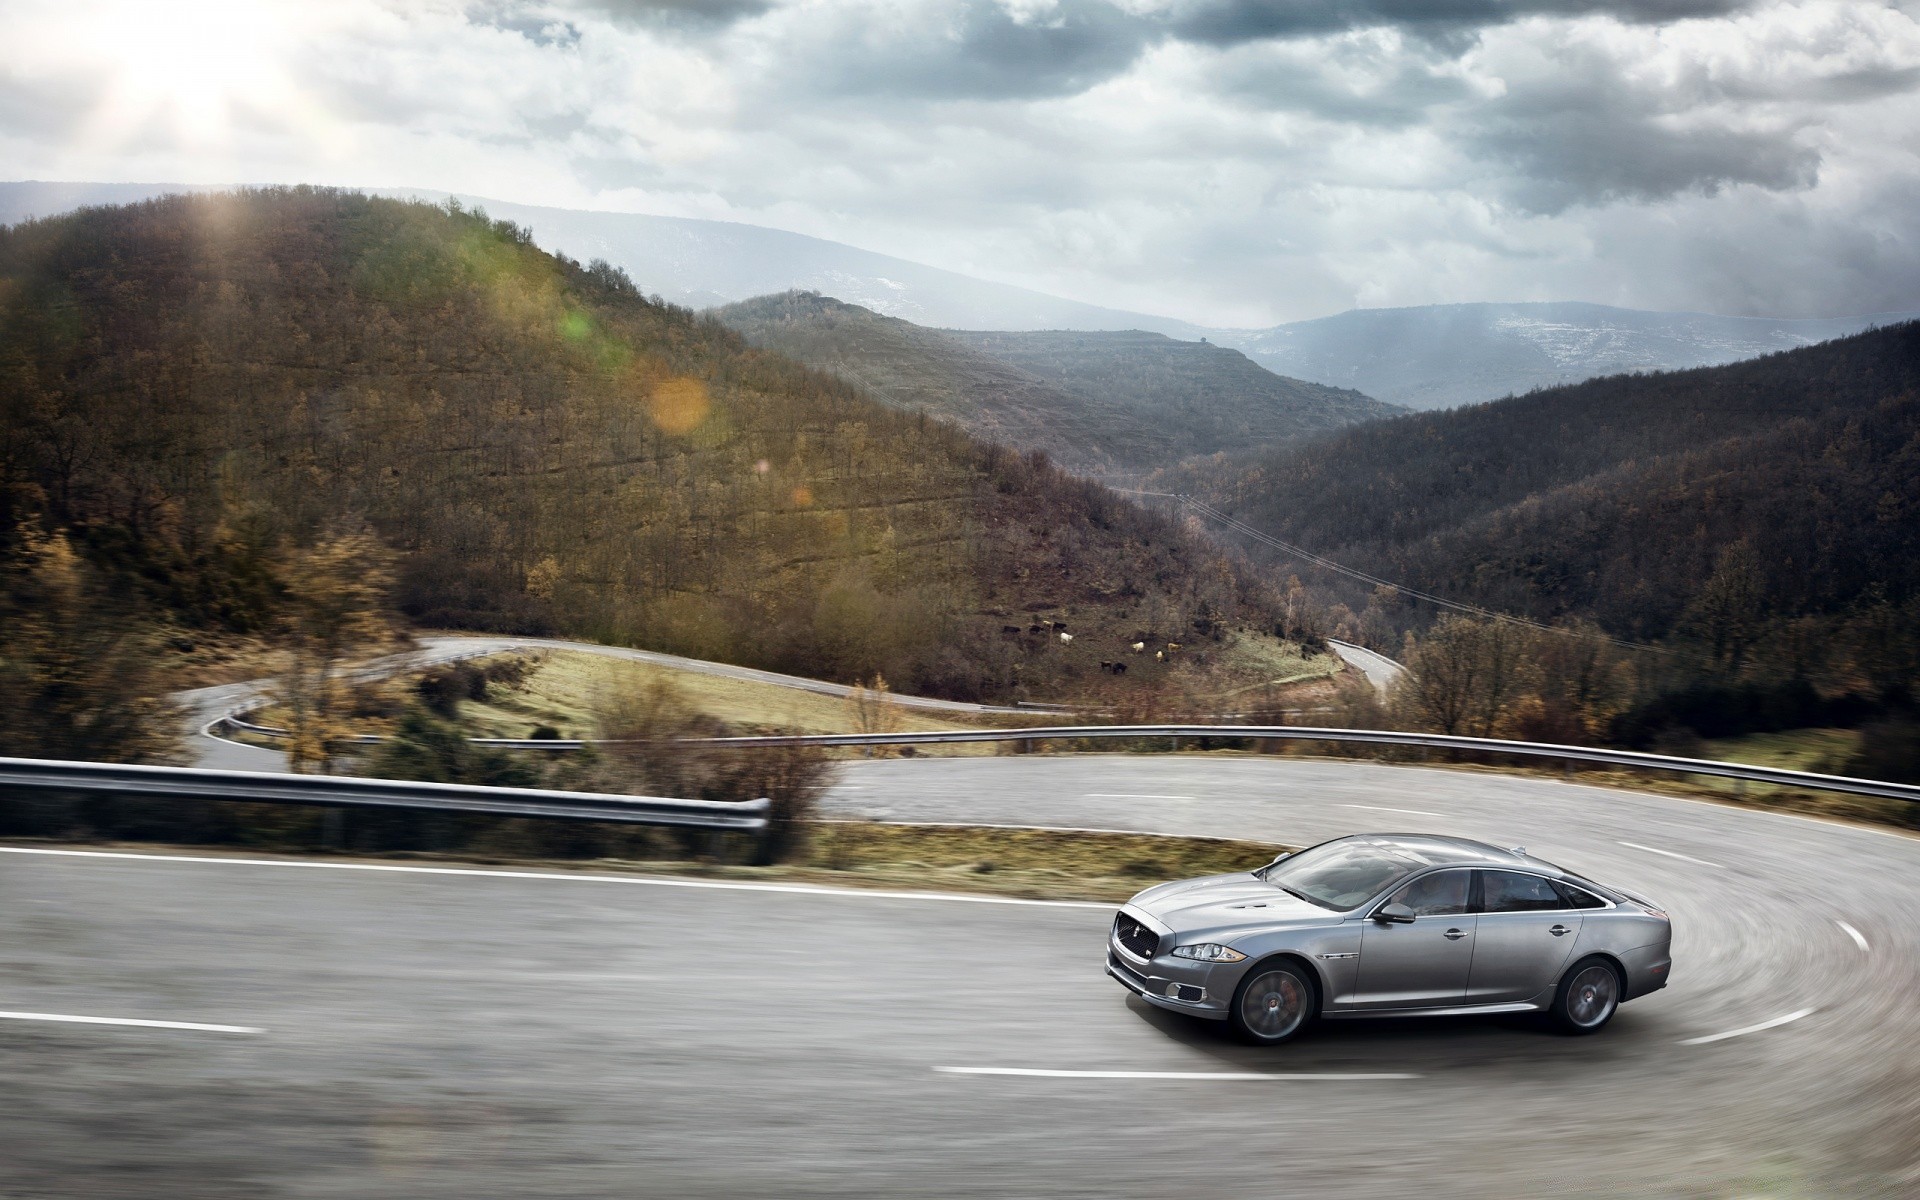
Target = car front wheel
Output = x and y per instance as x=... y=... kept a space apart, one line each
x=1589 y=995
x=1272 y=1004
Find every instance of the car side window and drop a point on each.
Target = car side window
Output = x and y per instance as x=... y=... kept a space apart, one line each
x=1511 y=891
x=1441 y=894
x=1576 y=897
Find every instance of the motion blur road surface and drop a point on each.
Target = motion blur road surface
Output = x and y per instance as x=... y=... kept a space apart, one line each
x=482 y=1034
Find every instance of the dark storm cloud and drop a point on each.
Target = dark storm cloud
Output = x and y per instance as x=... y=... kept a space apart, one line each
x=678 y=13
x=1587 y=137
x=977 y=50
x=1228 y=22
x=547 y=24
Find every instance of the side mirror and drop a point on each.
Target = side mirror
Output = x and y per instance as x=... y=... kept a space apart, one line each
x=1280 y=858
x=1394 y=914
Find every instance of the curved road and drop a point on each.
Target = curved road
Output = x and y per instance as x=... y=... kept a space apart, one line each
x=1382 y=672
x=203 y=706
x=429 y=1033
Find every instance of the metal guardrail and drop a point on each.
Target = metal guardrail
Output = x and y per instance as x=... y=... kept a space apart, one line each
x=258 y=788
x=1635 y=759
x=1377 y=737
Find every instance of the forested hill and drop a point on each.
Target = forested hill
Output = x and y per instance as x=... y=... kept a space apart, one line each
x=1096 y=402
x=919 y=370
x=194 y=384
x=1618 y=497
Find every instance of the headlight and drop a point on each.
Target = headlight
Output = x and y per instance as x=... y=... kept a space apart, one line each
x=1212 y=952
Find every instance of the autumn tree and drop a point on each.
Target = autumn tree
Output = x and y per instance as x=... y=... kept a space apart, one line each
x=79 y=674
x=336 y=608
x=1465 y=676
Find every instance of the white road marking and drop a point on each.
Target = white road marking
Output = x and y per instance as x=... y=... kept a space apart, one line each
x=1734 y=1033
x=1670 y=854
x=1130 y=796
x=72 y=1020
x=1232 y=1076
x=1858 y=938
x=566 y=877
x=1418 y=812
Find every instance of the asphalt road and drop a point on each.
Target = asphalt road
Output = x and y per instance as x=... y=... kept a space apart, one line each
x=1380 y=670
x=482 y=1034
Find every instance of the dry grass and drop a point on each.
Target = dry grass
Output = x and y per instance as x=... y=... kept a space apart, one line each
x=1027 y=864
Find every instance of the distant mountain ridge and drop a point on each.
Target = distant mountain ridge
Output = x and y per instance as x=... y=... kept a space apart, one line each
x=1443 y=355
x=1434 y=356
x=700 y=263
x=1096 y=402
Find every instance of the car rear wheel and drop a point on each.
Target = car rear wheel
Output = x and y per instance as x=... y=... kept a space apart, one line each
x=1272 y=1004
x=1589 y=995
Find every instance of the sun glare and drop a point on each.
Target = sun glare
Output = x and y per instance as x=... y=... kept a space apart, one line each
x=192 y=71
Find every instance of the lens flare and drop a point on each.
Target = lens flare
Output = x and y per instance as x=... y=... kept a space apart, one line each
x=679 y=405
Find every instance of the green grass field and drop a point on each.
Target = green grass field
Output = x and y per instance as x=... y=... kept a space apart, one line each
x=1822 y=750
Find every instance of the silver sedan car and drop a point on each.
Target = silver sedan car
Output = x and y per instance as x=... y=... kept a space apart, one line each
x=1389 y=925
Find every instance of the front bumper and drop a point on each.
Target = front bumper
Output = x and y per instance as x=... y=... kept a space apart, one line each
x=1163 y=982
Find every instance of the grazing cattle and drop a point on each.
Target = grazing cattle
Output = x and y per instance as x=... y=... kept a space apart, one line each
x=1172 y=646
x=1010 y=629
x=1106 y=666
x=1066 y=637
x=1036 y=629
x=1119 y=668
x=1139 y=647
x=1159 y=656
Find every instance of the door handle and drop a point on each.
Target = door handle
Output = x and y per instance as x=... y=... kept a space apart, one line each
x=1453 y=935
x=1559 y=931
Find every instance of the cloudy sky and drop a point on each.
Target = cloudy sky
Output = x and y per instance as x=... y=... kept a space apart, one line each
x=1233 y=162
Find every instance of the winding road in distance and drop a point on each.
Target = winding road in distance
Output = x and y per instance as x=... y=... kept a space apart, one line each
x=395 y=1029
x=204 y=706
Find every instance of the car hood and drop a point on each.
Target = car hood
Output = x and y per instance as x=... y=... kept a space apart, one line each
x=1220 y=902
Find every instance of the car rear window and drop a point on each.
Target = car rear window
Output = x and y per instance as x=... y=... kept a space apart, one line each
x=1577 y=897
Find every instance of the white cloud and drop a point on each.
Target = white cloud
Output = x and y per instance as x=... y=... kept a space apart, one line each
x=1758 y=159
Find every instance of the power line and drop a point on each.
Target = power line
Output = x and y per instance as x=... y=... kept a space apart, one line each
x=1320 y=560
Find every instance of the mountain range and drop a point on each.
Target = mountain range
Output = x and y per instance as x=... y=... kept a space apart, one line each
x=1098 y=403
x=1444 y=355
x=199 y=385
x=1424 y=357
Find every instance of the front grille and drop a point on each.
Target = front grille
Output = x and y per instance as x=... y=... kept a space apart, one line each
x=1135 y=937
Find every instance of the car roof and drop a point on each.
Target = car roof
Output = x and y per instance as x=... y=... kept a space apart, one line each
x=1441 y=850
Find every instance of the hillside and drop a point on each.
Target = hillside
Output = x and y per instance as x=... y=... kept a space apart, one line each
x=193 y=384
x=1433 y=356
x=1095 y=402
x=1442 y=355
x=920 y=370
x=1617 y=498
x=1189 y=397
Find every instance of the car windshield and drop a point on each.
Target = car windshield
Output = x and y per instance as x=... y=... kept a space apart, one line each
x=1340 y=875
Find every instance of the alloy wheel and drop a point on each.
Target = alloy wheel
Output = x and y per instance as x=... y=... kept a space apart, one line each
x=1274 y=1004
x=1592 y=996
